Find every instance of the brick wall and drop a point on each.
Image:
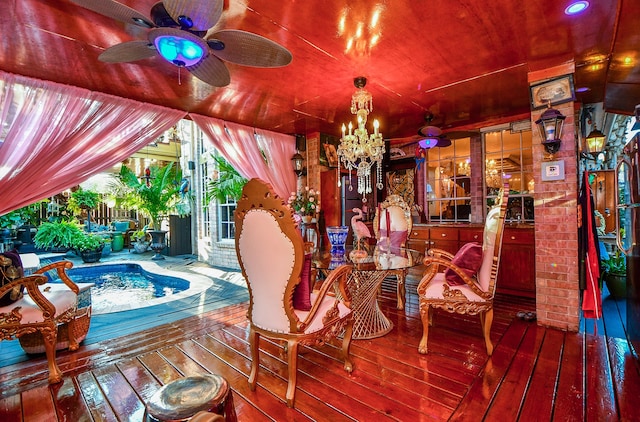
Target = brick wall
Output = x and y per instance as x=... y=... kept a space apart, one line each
x=556 y=231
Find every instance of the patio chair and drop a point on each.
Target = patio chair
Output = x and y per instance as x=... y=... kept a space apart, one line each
x=35 y=307
x=394 y=215
x=468 y=284
x=271 y=253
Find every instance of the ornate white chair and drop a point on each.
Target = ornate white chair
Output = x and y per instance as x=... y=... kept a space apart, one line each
x=40 y=309
x=467 y=286
x=399 y=224
x=271 y=253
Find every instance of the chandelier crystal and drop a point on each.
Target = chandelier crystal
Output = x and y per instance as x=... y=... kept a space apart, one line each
x=359 y=150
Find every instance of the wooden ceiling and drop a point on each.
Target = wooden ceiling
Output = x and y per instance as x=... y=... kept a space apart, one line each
x=465 y=61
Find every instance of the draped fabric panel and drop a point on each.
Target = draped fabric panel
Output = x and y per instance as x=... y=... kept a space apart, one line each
x=239 y=146
x=55 y=136
x=589 y=253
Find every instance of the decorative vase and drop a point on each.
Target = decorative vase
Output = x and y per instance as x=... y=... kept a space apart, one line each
x=337 y=238
x=141 y=247
x=158 y=243
x=307 y=219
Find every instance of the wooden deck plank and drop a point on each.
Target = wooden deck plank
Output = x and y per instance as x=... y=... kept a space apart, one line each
x=568 y=403
x=600 y=399
x=517 y=379
x=94 y=397
x=626 y=381
x=37 y=405
x=10 y=408
x=69 y=402
x=483 y=388
x=537 y=406
x=122 y=398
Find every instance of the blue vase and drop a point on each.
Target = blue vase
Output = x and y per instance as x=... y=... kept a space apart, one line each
x=337 y=238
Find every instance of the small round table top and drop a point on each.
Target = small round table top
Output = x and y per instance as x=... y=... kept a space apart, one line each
x=375 y=258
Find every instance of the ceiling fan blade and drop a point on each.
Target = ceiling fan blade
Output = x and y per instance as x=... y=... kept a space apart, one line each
x=202 y=13
x=430 y=131
x=444 y=142
x=117 y=11
x=248 y=49
x=129 y=51
x=212 y=71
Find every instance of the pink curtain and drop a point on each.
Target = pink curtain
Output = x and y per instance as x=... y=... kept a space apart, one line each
x=55 y=136
x=239 y=146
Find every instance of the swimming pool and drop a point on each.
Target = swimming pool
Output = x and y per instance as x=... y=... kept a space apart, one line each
x=133 y=285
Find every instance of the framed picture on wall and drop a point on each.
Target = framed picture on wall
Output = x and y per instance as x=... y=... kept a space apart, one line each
x=328 y=150
x=554 y=91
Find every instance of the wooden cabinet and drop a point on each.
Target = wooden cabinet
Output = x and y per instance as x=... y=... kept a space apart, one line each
x=517 y=263
x=445 y=238
x=517 y=275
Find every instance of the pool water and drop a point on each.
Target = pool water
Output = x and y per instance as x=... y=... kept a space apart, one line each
x=117 y=284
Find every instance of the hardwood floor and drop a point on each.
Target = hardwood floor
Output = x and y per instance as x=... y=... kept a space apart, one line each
x=535 y=373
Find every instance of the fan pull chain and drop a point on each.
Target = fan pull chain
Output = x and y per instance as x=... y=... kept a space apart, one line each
x=179 y=75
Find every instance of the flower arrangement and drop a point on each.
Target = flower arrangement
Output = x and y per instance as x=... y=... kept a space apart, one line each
x=305 y=202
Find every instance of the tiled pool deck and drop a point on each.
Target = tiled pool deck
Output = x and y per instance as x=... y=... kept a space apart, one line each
x=211 y=288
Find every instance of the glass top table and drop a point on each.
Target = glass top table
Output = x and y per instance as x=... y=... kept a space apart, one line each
x=370 y=267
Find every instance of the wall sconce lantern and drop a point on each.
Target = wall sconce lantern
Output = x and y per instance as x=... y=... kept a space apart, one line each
x=298 y=164
x=594 y=142
x=550 y=125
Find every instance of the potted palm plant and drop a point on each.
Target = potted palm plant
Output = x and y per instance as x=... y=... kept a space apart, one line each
x=154 y=196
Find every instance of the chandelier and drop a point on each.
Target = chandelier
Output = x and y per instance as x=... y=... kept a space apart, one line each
x=359 y=150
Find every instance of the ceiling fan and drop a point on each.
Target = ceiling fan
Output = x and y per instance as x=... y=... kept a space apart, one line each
x=431 y=136
x=177 y=31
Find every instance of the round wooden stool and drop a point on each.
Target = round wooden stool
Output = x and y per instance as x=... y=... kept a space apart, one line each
x=183 y=398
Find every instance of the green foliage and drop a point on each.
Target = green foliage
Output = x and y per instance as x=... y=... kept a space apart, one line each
x=228 y=184
x=155 y=201
x=139 y=236
x=616 y=264
x=59 y=234
x=81 y=199
x=11 y=220
x=83 y=242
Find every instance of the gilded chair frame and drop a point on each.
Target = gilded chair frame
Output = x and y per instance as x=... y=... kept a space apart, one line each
x=328 y=317
x=401 y=275
x=454 y=300
x=12 y=327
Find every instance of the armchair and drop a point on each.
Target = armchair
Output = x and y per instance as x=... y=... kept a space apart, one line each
x=40 y=309
x=395 y=231
x=467 y=286
x=271 y=253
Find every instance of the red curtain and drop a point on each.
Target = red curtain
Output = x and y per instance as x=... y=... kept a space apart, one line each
x=55 y=136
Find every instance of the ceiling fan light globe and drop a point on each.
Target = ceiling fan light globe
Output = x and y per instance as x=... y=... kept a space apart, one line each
x=428 y=143
x=179 y=50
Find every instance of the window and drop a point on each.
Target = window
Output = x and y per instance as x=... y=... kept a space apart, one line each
x=509 y=156
x=448 y=177
x=203 y=149
x=226 y=224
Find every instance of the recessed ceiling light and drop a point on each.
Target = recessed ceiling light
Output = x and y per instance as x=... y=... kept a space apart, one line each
x=576 y=7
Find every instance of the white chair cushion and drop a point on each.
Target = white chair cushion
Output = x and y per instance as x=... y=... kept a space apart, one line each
x=325 y=305
x=436 y=287
x=488 y=247
x=268 y=268
x=62 y=299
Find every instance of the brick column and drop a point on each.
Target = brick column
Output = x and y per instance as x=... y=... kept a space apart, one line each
x=556 y=231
